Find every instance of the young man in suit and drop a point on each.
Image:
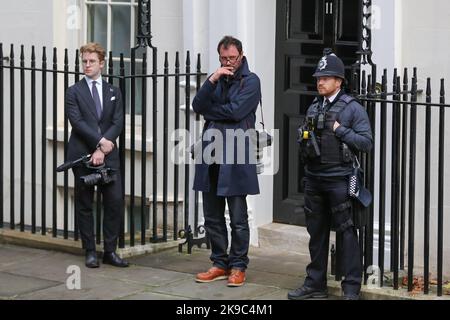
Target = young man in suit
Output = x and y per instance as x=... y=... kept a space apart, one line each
x=95 y=112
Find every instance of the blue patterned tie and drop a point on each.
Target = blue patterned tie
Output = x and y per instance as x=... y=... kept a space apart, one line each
x=98 y=104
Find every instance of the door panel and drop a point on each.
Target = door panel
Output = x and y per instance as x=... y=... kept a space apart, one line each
x=304 y=29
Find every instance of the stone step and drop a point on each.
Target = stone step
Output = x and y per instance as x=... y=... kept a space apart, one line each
x=285 y=237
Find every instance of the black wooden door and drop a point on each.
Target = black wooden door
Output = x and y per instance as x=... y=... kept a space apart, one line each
x=304 y=28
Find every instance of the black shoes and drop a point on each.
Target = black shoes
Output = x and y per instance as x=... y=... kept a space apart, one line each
x=108 y=258
x=113 y=259
x=91 y=259
x=304 y=292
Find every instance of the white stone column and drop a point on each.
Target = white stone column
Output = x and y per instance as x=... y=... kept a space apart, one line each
x=196 y=30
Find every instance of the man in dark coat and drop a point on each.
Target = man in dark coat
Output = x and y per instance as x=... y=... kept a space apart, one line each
x=95 y=112
x=336 y=129
x=227 y=100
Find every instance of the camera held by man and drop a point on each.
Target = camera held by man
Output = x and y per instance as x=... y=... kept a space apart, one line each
x=100 y=175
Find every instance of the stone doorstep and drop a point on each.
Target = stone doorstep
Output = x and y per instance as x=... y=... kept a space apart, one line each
x=48 y=242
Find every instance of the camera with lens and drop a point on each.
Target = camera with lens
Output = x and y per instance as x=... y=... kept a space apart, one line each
x=263 y=139
x=100 y=174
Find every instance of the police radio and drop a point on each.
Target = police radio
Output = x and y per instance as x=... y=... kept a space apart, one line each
x=306 y=134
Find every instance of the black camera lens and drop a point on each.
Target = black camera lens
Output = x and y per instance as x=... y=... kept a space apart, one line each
x=91 y=179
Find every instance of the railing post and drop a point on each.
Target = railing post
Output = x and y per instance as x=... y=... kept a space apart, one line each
x=412 y=181
x=188 y=129
x=22 y=138
x=122 y=85
x=144 y=204
x=66 y=139
x=12 y=220
x=176 y=145
x=382 y=186
x=426 y=225
x=77 y=78
x=55 y=143
x=33 y=140
x=165 y=142
x=196 y=135
x=395 y=191
x=132 y=145
x=155 y=142
x=404 y=173
x=440 y=220
x=44 y=144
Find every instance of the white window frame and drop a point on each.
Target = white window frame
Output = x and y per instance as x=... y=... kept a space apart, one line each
x=110 y=4
x=133 y=19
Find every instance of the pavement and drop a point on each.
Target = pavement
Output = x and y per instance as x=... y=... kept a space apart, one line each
x=36 y=274
x=43 y=274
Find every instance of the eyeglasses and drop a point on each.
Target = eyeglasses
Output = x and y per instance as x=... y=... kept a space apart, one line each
x=232 y=59
x=91 y=62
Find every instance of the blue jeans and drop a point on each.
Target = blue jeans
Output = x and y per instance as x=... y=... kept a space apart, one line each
x=215 y=225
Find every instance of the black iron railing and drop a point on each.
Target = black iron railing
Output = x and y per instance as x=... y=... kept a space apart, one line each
x=40 y=102
x=398 y=129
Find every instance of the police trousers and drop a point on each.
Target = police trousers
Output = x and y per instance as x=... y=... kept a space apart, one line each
x=327 y=204
x=215 y=225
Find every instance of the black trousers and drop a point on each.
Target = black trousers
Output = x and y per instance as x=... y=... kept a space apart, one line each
x=327 y=202
x=215 y=225
x=113 y=210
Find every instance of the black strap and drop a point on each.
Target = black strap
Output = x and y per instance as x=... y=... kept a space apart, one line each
x=262 y=115
x=344 y=226
x=260 y=102
x=341 y=207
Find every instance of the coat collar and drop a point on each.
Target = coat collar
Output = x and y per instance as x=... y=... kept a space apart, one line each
x=243 y=70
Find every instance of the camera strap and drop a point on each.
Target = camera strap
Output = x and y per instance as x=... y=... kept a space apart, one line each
x=260 y=102
x=262 y=115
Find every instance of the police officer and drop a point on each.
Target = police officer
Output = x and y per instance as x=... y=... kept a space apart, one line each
x=336 y=128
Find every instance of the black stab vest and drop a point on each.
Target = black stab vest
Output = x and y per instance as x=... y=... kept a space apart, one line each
x=331 y=148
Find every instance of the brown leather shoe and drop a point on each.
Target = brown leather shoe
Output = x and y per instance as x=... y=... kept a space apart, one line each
x=212 y=274
x=236 y=278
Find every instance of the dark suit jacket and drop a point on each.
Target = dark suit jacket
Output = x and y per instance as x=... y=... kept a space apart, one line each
x=87 y=128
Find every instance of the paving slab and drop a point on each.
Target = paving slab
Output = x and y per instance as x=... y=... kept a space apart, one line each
x=148 y=295
x=53 y=266
x=216 y=290
x=91 y=289
x=279 y=280
x=193 y=263
x=14 y=255
x=14 y=285
x=147 y=276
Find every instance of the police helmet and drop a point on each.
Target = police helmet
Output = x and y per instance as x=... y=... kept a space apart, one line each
x=330 y=66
